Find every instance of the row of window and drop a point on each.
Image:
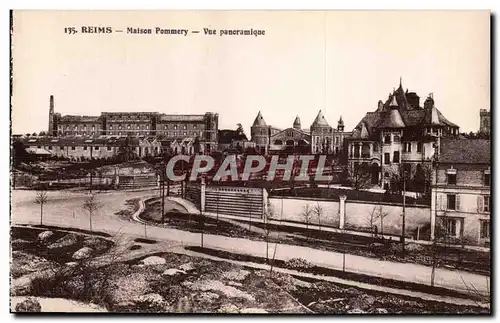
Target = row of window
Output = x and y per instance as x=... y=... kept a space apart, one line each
x=483 y=203
x=130 y=117
x=387 y=139
x=454 y=227
x=175 y=133
x=74 y=147
x=407 y=147
x=451 y=178
x=128 y=127
x=75 y=128
x=395 y=158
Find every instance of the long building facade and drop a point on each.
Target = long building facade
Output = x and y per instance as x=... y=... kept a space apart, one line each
x=400 y=132
x=137 y=124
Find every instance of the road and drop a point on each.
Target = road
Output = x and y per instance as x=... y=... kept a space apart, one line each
x=64 y=209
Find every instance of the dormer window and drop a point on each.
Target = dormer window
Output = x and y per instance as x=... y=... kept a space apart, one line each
x=487 y=177
x=451 y=176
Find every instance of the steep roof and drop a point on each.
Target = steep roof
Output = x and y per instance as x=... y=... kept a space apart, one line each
x=296 y=123
x=259 y=121
x=396 y=112
x=465 y=151
x=320 y=120
x=392 y=119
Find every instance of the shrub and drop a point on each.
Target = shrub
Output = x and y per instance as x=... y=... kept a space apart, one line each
x=29 y=305
x=298 y=263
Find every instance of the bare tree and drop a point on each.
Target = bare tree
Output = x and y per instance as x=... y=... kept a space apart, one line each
x=269 y=212
x=41 y=198
x=91 y=205
x=381 y=215
x=318 y=212
x=370 y=221
x=307 y=214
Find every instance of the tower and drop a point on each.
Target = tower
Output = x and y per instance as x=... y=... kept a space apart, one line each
x=296 y=123
x=260 y=134
x=321 y=135
x=340 y=125
x=51 y=130
x=485 y=121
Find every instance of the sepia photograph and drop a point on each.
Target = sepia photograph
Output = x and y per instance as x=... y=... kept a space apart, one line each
x=251 y=162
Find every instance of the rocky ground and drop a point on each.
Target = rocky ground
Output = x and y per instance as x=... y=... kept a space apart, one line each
x=172 y=282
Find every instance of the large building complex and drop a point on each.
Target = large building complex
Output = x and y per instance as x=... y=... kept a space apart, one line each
x=319 y=138
x=400 y=132
x=137 y=124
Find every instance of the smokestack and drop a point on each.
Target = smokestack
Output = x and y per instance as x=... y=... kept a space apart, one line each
x=50 y=131
x=51 y=104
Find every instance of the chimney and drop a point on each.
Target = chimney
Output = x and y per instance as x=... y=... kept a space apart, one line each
x=429 y=103
x=51 y=104
x=50 y=131
x=413 y=99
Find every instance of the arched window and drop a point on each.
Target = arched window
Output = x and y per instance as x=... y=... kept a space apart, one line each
x=278 y=142
x=290 y=142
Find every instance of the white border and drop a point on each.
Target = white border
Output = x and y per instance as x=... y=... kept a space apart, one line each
x=187 y=4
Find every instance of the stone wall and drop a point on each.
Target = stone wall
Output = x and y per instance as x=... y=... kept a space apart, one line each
x=358 y=215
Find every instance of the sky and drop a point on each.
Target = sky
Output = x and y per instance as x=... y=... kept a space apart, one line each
x=340 y=62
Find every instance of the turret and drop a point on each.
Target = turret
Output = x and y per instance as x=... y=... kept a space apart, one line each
x=296 y=123
x=259 y=132
x=340 y=125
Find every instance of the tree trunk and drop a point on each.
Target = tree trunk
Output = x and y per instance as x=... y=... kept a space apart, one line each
x=90 y=220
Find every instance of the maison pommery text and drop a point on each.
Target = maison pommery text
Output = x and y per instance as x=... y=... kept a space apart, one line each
x=163 y=31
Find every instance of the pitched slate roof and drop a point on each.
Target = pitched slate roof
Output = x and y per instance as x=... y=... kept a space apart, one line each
x=75 y=118
x=465 y=151
x=259 y=121
x=320 y=120
x=392 y=119
x=296 y=122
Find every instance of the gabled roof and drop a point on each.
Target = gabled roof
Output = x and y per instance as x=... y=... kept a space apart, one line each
x=361 y=132
x=302 y=132
x=259 y=121
x=465 y=151
x=320 y=120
